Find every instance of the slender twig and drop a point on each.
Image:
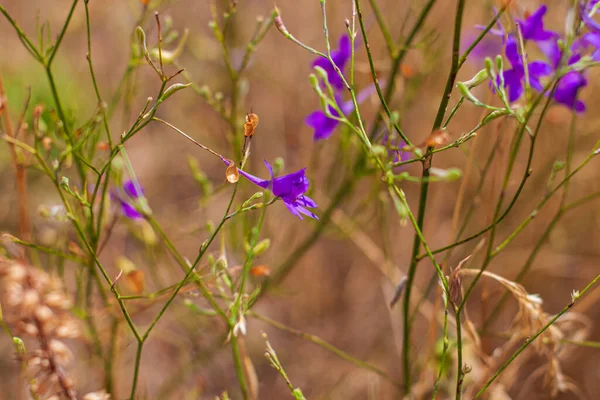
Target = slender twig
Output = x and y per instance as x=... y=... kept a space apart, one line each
x=327 y=346
x=20 y=168
x=424 y=191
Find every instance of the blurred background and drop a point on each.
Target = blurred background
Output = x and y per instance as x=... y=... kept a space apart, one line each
x=335 y=290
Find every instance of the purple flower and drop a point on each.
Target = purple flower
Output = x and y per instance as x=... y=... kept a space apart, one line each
x=340 y=57
x=532 y=27
x=127 y=196
x=591 y=24
x=593 y=39
x=513 y=78
x=489 y=46
x=289 y=188
x=323 y=125
x=567 y=89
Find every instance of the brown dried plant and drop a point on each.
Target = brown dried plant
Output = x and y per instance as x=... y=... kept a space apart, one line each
x=36 y=306
x=530 y=319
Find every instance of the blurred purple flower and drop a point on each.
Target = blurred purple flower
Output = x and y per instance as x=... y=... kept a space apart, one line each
x=532 y=27
x=489 y=46
x=290 y=188
x=340 y=57
x=567 y=89
x=125 y=197
x=591 y=24
x=323 y=125
x=394 y=145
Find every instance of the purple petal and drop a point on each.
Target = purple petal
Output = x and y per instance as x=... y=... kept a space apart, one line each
x=291 y=186
x=568 y=88
x=306 y=201
x=539 y=68
x=532 y=27
x=270 y=169
x=132 y=191
x=129 y=211
x=512 y=53
x=551 y=51
x=323 y=125
x=257 y=181
x=512 y=80
x=591 y=24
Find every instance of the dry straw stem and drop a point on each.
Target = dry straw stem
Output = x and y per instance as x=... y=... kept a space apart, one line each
x=531 y=322
x=18 y=163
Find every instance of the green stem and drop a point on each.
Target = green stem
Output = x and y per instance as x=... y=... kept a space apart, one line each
x=374 y=76
x=397 y=61
x=327 y=346
x=424 y=192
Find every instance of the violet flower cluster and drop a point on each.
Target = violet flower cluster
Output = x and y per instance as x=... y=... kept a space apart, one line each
x=551 y=45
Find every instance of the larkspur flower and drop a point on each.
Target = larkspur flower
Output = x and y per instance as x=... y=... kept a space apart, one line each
x=588 y=20
x=323 y=125
x=513 y=78
x=532 y=27
x=289 y=188
x=340 y=57
x=126 y=197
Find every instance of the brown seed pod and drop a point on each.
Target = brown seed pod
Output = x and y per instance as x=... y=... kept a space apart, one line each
x=437 y=138
x=250 y=124
x=232 y=174
x=260 y=271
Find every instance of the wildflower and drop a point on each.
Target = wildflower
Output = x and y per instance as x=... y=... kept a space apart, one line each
x=289 y=188
x=126 y=197
x=323 y=125
x=340 y=57
x=567 y=89
x=489 y=46
x=513 y=78
x=532 y=27
x=588 y=20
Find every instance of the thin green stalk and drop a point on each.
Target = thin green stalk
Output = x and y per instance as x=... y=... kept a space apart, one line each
x=61 y=34
x=576 y=296
x=532 y=256
x=397 y=61
x=205 y=292
x=389 y=42
x=374 y=76
x=424 y=192
x=444 y=354
x=327 y=346
x=23 y=37
x=460 y=375
x=464 y=56
x=239 y=366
